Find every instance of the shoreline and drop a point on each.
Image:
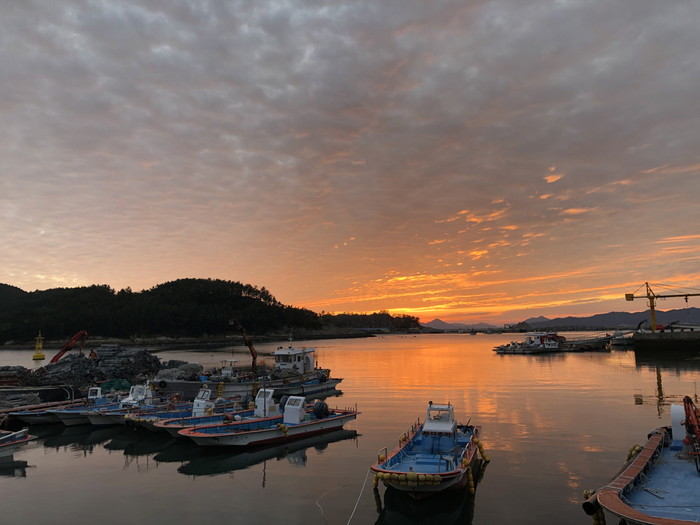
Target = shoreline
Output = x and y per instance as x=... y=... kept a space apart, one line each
x=162 y=343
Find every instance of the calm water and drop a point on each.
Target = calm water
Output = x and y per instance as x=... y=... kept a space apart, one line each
x=552 y=425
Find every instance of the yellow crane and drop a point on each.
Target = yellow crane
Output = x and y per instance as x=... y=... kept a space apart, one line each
x=652 y=297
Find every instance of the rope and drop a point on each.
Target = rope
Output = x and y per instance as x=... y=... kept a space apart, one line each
x=360 y=496
x=324 y=495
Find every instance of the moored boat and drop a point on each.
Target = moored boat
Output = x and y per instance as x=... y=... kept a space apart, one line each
x=434 y=456
x=12 y=440
x=296 y=422
x=140 y=399
x=293 y=367
x=201 y=406
x=660 y=484
x=41 y=414
x=534 y=343
x=77 y=414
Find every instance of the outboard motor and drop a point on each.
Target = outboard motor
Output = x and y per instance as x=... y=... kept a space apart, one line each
x=320 y=409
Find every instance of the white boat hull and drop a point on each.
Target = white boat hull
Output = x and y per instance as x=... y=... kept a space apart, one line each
x=273 y=434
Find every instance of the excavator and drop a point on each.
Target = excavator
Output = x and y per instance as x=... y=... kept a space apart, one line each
x=248 y=343
x=80 y=337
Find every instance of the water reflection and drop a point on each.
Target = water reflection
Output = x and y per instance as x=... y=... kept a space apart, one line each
x=77 y=437
x=664 y=366
x=444 y=508
x=12 y=468
x=217 y=462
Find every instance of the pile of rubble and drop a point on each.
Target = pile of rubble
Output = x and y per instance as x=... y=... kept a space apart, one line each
x=78 y=370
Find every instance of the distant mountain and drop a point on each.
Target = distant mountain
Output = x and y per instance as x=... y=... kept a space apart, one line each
x=595 y=322
x=438 y=324
x=618 y=319
x=536 y=320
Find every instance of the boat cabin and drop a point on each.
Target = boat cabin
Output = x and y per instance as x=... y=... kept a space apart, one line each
x=138 y=395
x=297 y=360
x=94 y=393
x=439 y=430
x=202 y=403
x=265 y=405
x=294 y=410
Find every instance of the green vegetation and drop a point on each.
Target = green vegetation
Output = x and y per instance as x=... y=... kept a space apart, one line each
x=182 y=308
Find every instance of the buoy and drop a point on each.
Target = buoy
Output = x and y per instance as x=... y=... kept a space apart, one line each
x=470 y=480
x=633 y=452
x=38 y=349
x=481 y=450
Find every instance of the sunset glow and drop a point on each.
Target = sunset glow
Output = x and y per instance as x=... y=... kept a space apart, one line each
x=482 y=163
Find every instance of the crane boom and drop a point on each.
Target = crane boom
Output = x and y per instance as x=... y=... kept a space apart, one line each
x=80 y=336
x=248 y=343
x=652 y=297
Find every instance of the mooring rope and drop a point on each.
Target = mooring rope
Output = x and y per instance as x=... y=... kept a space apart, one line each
x=324 y=495
x=359 y=497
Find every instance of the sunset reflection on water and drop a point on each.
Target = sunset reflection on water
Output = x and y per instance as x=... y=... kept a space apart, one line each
x=553 y=425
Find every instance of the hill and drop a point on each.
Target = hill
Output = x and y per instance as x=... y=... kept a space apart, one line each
x=185 y=308
x=438 y=324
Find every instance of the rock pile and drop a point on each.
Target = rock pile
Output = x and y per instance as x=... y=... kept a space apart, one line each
x=111 y=362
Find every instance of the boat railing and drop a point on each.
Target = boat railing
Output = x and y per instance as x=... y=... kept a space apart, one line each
x=406 y=436
x=383 y=456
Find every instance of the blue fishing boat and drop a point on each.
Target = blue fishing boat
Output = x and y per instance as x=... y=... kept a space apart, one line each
x=77 y=414
x=202 y=406
x=660 y=484
x=12 y=440
x=296 y=422
x=434 y=456
x=140 y=399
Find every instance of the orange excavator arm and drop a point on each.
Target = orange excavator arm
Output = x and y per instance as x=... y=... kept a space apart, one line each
x=248 y=343
x=79 y=337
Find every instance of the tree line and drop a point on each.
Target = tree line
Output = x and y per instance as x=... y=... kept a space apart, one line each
x=181 y=308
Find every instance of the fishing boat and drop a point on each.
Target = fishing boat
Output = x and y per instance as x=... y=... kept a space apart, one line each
x=433 y=456
x=296 y=422
x=534 y=343
x=41 y=414
x=12 y=440
x=140 y=398
x=587 y=343
x=173 y=425
x=201 y=406
x=660 y=484
x=77 y=414
x=293 y=367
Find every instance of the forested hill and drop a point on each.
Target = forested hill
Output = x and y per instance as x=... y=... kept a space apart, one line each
x=182 y=308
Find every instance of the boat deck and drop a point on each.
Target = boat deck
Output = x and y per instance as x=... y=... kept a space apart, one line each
x=413 y=458
x=423 y=463
x=665 y=491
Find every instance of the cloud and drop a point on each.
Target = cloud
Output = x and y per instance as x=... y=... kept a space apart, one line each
x=309 y=146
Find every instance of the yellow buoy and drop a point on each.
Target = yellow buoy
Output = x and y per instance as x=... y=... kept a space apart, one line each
x=38 y=349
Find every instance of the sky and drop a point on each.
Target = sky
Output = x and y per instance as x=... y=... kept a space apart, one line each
x=480 y=161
